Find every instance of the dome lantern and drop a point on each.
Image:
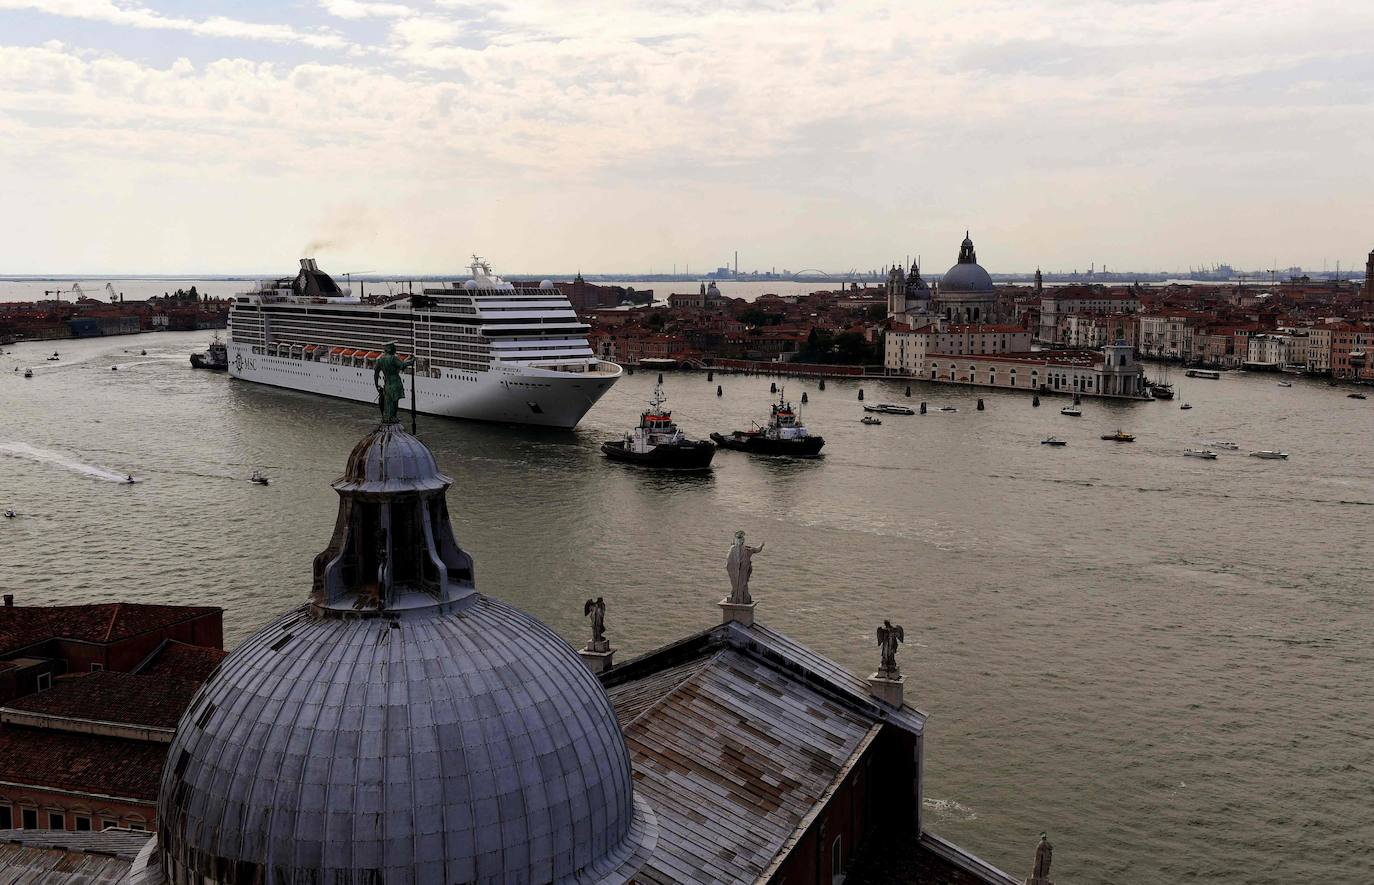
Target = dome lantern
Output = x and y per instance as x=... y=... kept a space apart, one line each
x=393 y=546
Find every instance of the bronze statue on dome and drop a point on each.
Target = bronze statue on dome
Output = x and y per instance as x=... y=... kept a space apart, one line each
x=386 y=375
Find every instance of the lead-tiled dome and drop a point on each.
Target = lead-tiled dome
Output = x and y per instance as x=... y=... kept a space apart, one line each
x=401 y=727
x=967 y=275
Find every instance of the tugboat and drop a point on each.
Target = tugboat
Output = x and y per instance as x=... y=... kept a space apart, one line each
x=657 y=441
x=1119 y=436
x=784 y=435
x=215 y=358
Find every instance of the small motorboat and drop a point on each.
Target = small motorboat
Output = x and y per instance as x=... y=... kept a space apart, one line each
x=1269 y=455
x=1285 y=384
x=259 y=478
x=1071 y=411
x=53 y=358
x=1051 y=441
x=129 y=480
x=10 y=514
x=1119 y=436
x=143 y=353
x=1223 y=444
x=1357 y=396
x=28 y=373
x=114 y=368
x=1205 y=454
x=870 y=419
x=1186 y=406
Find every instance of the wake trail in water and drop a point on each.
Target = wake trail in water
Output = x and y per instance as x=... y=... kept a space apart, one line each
x=58 y=459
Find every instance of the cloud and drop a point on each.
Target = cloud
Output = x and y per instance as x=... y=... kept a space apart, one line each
x=360 y=9
x=917 y=117
x=136 y=15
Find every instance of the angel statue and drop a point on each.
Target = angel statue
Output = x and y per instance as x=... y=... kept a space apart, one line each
x=596 y=608
x=1044 y=853
x=889 y=635
x=739 y=565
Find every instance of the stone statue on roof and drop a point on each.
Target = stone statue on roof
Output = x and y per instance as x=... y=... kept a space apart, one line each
x=889 y=636
x=386 y=375
x=1044 y=853
x=739 y=566
x=596 y=610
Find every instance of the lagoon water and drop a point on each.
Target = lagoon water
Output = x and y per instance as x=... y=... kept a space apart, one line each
x=1164 y=662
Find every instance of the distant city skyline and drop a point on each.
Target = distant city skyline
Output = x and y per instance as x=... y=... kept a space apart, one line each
x=171 y=137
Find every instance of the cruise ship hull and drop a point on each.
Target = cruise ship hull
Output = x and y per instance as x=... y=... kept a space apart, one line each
x=507 y=394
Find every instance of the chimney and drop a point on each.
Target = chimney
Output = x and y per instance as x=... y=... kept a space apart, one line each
x=9 y=600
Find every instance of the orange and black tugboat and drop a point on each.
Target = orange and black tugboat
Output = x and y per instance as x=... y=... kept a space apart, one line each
x=657 y=442
x=784 y=435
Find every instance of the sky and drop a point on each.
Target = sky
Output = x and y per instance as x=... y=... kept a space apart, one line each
x=165 y=136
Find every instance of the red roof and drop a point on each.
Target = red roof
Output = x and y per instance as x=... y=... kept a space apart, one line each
x=22 y=625
x=81 y=763
x=182 y=660
x=106 y=696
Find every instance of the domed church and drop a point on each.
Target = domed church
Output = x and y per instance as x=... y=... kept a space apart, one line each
x=400 y=727
x=965 y=293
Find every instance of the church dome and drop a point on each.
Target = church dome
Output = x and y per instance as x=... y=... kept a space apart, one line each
x=967 y=275
x=400 y=726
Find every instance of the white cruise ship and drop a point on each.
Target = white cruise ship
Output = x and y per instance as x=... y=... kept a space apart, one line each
x=484 y=348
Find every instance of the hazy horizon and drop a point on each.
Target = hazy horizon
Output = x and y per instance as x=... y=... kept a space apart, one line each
x=172 y=137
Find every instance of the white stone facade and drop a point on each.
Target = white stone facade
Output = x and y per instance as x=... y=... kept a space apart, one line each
x=1112 y=373
x=905 y=351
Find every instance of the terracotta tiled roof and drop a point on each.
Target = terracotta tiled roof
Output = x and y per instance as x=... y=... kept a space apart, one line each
x=183 y=660
x=155 y=701
x=23 y=625
x=81 y=763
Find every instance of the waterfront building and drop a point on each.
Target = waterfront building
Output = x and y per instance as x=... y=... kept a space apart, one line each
x=1276 y=350
x=1095 y=330
x=905 y=350
x=1113 y=372
x=1351 y=344
x=1071 y=300
x=1318 y=358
